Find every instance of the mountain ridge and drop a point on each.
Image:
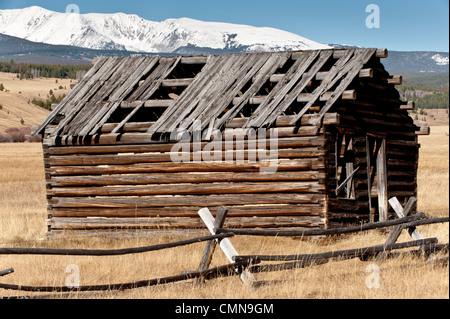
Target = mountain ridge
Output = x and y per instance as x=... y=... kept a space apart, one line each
x=120 y=31
x=35 y=21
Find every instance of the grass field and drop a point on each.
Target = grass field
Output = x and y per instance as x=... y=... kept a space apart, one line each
x=23 y=224
x=14 y=99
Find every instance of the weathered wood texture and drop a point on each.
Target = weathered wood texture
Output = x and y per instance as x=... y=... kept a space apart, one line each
x=139 y=187
x=113 y=147
x=376 y=113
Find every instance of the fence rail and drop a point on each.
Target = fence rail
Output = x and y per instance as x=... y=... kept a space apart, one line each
x=113 y=252
x=246 y=266
x=324 y=232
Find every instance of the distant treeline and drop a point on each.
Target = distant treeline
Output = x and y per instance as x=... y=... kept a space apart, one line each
x=30 y=71
x=425 y=97
x=438 y=100
x=428 y=91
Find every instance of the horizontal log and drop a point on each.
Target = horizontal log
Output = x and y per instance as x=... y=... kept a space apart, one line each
x=210 y=200
x=148 y=104
x=179 y=223
x=347 y=95
x=372 y=110
x=200 y=59
x=280 y=132
x=304 y=97
x=177 y=82
x=339 y=53
x=128 y=127
x=189 y=189
x=382 y=53
x=424 y=130
x=349 y=253
x=192 y=211
x=282 y=121
x=174 y=178
x=408 y=106
x=325 y=232
x=281 y=165
x=218 y=156
x=140 y=138
x=396 y=80
x=289 y=142
x=364 y=73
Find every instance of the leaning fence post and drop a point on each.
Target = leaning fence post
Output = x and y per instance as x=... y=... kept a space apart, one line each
x=211 y=245
x=396 y=231
x=401 y=213
x=226 y=246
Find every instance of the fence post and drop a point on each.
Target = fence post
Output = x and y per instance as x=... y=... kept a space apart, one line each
x=211 y=245
x=226 y=246
x=395 y=233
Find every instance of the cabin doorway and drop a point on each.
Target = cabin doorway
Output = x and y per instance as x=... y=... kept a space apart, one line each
x=377 y=176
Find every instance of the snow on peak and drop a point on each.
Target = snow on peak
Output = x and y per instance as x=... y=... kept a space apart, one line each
x=440 y=60
x=133 y=33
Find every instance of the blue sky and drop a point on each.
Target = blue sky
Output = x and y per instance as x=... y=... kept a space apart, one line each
x=405 y=25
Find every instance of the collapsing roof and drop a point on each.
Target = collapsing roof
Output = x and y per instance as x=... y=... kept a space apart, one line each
x=172 y=93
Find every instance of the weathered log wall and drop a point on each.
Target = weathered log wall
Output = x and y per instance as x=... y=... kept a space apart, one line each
x=100 y=187
x=376 y=111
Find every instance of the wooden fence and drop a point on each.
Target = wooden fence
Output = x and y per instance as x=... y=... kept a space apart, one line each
x=246 y=266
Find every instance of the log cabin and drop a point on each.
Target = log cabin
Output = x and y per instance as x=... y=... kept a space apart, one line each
x=311 y=139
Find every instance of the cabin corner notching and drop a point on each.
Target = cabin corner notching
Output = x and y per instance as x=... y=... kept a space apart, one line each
x=345 y=143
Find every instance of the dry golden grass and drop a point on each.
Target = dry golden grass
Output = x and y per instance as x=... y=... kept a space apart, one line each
x=22 y=224
x=433 y=178
x=15 y=104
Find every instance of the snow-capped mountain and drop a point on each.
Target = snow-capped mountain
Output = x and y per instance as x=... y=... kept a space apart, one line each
x=132 y=33
x=406 y=61
x=440 y=59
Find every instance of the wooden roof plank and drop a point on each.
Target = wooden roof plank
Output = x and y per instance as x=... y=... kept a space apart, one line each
x=208 y=94
x=82 y=89
x=211 y=92
x=146 y=66
x=282 y=88
x=356 y=67
x=296 y=91
x=96 y=103
x=330 y=78
x=160 y=75
x=196 y=85
x=60 y=108
x=231 y=74
x=274 y=62
x=164 y=68
x=147 y=87
x=92 y=86
x=192 y=95
x=258 y=70
x=221 y=101
x=125 y=121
